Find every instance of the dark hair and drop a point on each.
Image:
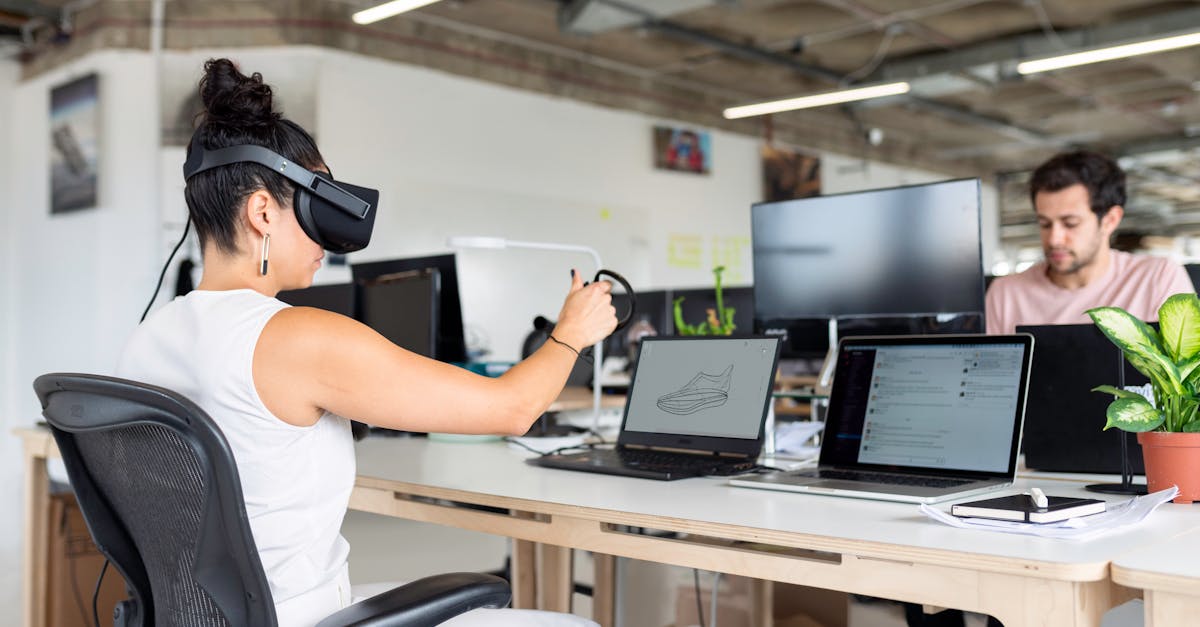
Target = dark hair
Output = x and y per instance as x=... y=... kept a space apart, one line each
x=1103 y=178
x=238 y=111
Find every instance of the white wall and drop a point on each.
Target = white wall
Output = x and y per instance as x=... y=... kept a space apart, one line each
x=10 y=447
x=81 y=278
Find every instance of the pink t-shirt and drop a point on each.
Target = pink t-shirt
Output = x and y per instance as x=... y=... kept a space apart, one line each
x=1136 y=283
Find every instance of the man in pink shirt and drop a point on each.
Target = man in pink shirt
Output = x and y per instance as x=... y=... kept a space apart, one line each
x=1079 y=198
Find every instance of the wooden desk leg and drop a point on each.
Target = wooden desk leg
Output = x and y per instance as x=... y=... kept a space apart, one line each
x=1166 y=609
x=523 y=567
x=555 y=580
x=37 y=501
x=1020 y=602
x=604 y=590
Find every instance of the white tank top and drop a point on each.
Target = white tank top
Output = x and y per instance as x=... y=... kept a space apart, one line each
x=296 y=480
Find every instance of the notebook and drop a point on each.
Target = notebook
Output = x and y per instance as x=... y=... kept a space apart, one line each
x=696 y=406
x=1064 y=424
x=919 y=419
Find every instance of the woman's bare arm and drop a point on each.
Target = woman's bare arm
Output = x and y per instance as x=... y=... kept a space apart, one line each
x=308 y=361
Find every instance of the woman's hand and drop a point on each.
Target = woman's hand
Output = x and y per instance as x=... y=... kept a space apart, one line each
x=587 y=315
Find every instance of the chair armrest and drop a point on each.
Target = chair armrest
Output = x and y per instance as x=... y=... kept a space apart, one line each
x=427 y=601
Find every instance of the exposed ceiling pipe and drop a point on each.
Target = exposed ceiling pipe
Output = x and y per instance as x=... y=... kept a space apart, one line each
x=754 y=53
x=27 y=30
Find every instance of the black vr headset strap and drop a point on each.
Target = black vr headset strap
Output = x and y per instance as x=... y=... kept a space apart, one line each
x=321 y=187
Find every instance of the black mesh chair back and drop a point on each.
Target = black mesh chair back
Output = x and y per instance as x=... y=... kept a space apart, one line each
x=159 y=489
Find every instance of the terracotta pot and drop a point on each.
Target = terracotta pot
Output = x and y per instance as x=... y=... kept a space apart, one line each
x=1172 y=459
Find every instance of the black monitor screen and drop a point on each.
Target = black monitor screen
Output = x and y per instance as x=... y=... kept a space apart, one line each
x=338 y=298
x=451 y=344
x=403 y=308
x=892 y=252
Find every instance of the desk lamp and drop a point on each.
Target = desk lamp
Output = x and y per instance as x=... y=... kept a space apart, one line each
x=496 y=243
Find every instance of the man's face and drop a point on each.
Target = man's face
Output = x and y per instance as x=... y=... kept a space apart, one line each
x=1072 y=235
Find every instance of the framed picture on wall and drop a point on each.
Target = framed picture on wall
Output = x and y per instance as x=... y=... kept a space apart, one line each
x=74 y=144
x=682 y=149
x=788 y=174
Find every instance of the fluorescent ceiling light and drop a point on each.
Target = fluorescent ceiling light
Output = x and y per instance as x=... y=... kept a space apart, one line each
x=388 y=9
x=1109 y=54
x=817 y=100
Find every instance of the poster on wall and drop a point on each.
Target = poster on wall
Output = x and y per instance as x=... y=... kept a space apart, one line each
x=74 y=147
x=682 y=149
x=788 y=174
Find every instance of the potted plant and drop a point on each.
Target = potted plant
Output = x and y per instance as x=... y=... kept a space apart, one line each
x=1168 y=425
x=719 y=320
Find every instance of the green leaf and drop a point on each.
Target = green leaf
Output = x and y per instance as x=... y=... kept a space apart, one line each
x=1189 y=369
x=1133 y=414
x=1117 y=392
x=1179 y=322
x=1192 y=427
x=1125 y=330
x=1162 y=373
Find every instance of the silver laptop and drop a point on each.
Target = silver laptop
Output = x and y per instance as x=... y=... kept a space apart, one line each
x=919 y=419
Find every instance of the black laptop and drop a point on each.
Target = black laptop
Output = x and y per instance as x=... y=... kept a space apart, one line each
x=696 y=406
x=1065 y=420
x=919 y=419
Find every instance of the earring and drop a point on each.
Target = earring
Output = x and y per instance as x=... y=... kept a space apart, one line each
x=266 y=246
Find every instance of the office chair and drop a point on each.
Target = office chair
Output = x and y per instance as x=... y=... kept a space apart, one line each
x=159 y=489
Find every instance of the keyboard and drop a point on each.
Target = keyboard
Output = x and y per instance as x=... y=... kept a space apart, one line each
x=891 y=479
x=699 y=464
x=646 y=464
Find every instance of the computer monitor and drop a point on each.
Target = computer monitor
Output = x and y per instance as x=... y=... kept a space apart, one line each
x=895 y=254
x=403 y=308
x=335 y=297
x=450 y=344
x=652 y=305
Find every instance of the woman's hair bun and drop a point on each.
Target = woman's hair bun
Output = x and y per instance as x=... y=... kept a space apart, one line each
x=234 y=99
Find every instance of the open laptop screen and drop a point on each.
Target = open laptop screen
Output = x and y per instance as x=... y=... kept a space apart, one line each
x=933 y=403
x=703 y=387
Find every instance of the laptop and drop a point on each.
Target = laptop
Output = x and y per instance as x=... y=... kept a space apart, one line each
x=696 y=406
x=919 y=419
x=1064 y=424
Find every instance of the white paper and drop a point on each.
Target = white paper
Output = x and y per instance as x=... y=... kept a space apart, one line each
x=795 y=438
x=1118 y=515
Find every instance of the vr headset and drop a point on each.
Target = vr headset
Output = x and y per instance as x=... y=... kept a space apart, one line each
x=338 y=216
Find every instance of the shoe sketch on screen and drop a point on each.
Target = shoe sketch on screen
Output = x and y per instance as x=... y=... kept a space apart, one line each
x=702 y=392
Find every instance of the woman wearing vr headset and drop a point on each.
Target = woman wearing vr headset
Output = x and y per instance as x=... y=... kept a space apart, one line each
x=281 y=381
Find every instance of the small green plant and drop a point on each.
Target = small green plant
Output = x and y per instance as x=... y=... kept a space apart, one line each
x=720 y=320
x=1169 y=357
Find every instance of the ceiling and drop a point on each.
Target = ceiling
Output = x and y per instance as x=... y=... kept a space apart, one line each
x=967 y=104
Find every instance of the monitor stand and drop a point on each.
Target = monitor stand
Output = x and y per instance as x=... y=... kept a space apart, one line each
x=1127 y=486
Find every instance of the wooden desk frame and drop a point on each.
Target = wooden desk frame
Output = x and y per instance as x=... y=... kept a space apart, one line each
x=1018 y=592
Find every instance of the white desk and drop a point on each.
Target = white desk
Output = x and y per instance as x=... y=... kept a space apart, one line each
x=1169 y=574
x=880 y=549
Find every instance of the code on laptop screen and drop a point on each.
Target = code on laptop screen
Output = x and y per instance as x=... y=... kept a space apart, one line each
x=702 y=387
x=945 y=406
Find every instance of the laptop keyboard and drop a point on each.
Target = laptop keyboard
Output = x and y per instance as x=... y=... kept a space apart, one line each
x=658 y=461
x=892 y=479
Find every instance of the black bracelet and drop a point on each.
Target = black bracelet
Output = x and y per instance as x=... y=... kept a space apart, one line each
x=578 y=355
x=569 y=347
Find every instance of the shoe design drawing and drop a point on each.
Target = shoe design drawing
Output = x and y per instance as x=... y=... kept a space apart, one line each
x=702 y=392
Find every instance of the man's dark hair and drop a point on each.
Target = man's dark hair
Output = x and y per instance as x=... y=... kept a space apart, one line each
x=1103 y=178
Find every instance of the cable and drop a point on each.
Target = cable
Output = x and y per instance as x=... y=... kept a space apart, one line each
x=186 y=226
x=96 y=594
x=1047 y=26
x=885 y=44
x=699 y=605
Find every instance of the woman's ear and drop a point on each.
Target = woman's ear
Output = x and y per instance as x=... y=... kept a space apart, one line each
x=261 y=211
